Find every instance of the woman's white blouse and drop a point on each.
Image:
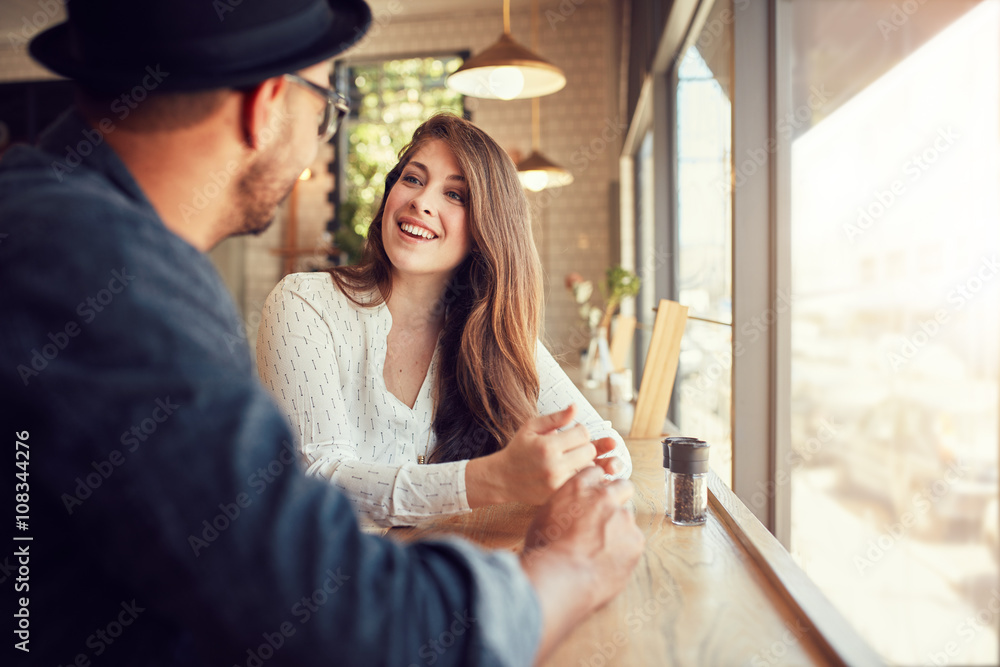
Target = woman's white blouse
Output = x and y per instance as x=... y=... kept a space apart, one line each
x=322 y=357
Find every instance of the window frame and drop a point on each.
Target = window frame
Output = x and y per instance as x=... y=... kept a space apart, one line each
x=761 y=372
x=760 y=250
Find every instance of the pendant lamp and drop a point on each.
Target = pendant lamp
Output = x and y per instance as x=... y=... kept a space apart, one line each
x=536 y=171
x=506 y=71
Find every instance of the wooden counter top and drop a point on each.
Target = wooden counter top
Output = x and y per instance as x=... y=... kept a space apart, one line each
x=726 y=593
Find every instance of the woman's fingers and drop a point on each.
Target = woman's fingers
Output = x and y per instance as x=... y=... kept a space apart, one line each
x=554 y=420
x=578 y=458
x=551 y=449
x=611 y=465
x=570 y=439
x=584 y=453
x=605 y=445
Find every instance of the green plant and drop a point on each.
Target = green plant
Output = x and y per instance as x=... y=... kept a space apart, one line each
x=619 y=284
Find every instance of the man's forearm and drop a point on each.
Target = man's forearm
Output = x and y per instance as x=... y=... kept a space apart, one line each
x=564 y=595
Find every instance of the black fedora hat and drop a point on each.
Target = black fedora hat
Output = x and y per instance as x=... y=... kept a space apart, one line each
x=196 y=44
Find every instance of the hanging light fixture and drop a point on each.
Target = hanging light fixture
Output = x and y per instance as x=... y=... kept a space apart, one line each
x=507 y=71
x=536 y=171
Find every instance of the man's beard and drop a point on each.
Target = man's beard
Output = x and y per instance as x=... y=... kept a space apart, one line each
x=262 y=187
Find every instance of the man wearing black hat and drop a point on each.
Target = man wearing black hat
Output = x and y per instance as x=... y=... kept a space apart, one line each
x=162 y=516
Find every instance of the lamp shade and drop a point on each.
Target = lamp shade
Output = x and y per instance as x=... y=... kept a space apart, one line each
x=537 y=172
x=507 y=71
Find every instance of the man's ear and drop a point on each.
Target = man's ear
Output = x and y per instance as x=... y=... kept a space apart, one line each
x=264 y=111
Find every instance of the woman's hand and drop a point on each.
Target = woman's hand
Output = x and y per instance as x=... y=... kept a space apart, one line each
x=538 y=460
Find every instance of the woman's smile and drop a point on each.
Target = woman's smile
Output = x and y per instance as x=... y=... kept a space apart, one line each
x=415 y=231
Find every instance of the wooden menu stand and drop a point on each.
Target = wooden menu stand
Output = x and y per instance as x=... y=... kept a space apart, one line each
x=660 y=370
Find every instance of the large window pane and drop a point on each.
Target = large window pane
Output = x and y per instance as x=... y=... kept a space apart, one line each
x=704 y=235
x=895 y=223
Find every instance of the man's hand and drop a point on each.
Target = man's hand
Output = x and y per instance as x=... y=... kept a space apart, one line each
x=580 y=551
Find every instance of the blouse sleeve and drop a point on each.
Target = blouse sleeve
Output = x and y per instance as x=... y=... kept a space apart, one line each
x=556 y=391
x=297 y=360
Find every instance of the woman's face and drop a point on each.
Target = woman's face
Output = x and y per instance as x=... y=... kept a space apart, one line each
x=424 y=225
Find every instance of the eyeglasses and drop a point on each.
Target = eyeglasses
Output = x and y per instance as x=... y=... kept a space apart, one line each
x=335 y=111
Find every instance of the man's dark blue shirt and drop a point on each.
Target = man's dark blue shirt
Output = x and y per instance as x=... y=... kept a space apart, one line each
x=170 y=520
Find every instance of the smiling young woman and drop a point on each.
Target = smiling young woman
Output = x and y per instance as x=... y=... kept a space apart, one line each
x=427 y=351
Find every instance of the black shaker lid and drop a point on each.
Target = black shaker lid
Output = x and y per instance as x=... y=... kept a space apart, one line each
x=685 y=455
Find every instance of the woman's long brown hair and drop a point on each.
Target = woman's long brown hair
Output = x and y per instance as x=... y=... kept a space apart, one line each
x=486 y=384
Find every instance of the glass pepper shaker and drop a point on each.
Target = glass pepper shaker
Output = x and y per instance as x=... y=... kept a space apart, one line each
x=688 y=480
x=669 y=505
x=668 y=484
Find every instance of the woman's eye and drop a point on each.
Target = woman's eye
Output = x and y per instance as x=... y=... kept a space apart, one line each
x=410 y=178
x=457 y=196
